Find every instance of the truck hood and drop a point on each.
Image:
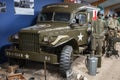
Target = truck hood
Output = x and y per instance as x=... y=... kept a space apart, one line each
x=46 y=26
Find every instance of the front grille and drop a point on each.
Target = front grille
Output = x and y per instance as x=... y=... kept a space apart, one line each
x=29 y=42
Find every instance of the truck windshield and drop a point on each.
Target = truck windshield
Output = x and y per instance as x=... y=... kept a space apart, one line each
x=62 y=17
x=56 y=17
x=46 y=16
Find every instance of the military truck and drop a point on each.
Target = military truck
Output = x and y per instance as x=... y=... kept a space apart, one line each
x=60 y=34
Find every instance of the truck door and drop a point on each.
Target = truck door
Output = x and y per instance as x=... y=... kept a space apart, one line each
x=81 y=30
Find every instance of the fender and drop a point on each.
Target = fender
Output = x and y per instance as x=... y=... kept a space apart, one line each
x=62 y=40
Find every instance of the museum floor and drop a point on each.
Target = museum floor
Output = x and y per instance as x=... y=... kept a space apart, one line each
x=110 y=70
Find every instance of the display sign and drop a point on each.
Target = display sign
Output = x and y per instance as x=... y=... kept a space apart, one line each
x=24 y=7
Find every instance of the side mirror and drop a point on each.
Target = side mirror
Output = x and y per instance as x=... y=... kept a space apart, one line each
x=73 y=21
x=73 y=24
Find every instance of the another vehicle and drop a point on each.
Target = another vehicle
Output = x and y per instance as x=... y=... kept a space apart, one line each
x=60 y=34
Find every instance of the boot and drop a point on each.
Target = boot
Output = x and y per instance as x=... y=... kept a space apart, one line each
x=99 y=61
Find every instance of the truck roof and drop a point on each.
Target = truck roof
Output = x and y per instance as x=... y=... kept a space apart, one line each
x=67 y=7
x=62 y=7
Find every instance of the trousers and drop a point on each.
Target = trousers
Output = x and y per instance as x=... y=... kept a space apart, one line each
x=96 y=45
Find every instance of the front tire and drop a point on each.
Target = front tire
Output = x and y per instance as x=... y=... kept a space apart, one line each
x=66 y=60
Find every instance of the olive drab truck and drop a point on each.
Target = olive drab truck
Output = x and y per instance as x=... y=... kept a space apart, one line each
x=61 y=32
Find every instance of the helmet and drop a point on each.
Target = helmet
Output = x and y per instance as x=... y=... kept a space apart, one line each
x=115 y=15
x=99 y=13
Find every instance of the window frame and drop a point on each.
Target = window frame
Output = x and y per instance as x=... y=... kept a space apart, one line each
x=78 y=20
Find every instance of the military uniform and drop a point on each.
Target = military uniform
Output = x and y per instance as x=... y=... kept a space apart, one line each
x=97 y=38
x=106 y=23
x=97 y=35
x=113 y=24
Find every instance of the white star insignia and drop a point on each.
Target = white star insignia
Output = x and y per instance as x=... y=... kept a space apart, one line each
x=80 y=37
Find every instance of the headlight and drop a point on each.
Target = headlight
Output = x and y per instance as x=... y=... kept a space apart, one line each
x=13 y=38
x=46 y=39
x=16 y=36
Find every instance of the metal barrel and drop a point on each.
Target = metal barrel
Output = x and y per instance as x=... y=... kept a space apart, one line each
x=92 y=65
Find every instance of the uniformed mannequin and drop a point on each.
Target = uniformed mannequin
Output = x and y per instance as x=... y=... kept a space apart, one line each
x=97 y=37
x=113 y=24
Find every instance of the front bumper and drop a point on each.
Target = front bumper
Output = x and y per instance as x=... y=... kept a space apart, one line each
x=33 y=56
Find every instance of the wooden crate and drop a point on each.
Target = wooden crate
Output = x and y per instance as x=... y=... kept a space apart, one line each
x=16 y=77
x=11 y=69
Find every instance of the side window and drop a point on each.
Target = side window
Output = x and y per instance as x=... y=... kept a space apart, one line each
x=81 y=19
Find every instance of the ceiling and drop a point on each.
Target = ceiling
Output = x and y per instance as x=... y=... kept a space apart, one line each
x=109 y=2
x=112 y=4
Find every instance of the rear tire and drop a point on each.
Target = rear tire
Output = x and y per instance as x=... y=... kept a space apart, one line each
x=66 y=60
